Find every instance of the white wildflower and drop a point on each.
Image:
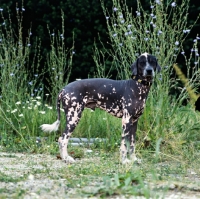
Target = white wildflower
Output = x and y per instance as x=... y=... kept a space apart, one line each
x=173 y=4
x=38 y=103
x=158 y=1
x=13 y=111
x=138 y=13
x=177 y=43
x=42 y=112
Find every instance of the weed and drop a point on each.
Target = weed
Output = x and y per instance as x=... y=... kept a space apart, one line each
x=22 y=94
x=76 y=152
x=7 y=178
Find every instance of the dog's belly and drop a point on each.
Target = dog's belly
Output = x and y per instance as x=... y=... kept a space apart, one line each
x=112 y=108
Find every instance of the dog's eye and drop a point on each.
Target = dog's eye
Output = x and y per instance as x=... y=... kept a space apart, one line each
x=153 y=62
x=142 y=62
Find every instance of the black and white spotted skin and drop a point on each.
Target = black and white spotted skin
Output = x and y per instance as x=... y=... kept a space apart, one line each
x=121 y=98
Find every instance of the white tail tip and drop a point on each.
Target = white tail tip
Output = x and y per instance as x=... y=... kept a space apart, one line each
x=50 y=127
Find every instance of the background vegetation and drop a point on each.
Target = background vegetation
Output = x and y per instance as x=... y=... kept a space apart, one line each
x=162 y=30
x=84 y=24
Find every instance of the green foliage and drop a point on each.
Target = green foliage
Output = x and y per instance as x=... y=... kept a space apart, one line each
x=123 y=184
x=7 y=178
x=83 y=18
x=100 y=125
x=77 y=152
x=22 y=93
x=164 y=125
x=59 y=62
x=159 y=33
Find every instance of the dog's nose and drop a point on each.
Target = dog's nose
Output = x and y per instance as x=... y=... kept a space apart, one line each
x=149 y=71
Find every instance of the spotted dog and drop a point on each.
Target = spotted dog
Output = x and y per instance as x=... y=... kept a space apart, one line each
x=121 y=98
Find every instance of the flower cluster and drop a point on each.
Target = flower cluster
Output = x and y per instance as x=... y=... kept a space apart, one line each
x=129 y=31
x=32 y=104
x=153 y=29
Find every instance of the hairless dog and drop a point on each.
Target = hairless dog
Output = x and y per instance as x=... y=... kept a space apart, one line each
x=121 y=98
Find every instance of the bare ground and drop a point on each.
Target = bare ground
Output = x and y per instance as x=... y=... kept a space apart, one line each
x=44 y=176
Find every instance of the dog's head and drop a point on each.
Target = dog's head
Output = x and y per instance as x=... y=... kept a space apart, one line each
x=146 y=65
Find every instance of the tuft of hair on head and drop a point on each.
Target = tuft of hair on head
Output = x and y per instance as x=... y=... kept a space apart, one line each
x=50 y=127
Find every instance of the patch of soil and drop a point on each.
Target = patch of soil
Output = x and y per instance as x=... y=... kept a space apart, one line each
x=40 y=176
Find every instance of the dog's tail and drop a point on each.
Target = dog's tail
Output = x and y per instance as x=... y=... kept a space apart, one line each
x=53 y=127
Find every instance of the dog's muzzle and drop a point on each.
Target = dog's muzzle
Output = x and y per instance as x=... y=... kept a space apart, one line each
x=149 y=72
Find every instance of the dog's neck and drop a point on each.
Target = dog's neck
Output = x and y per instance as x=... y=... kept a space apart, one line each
x=147 y=81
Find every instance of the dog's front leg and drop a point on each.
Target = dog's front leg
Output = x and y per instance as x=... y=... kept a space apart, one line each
x=63 y=142
x=128 y=139
x=133 y=130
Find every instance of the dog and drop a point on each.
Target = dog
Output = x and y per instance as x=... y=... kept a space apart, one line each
x=121 y=98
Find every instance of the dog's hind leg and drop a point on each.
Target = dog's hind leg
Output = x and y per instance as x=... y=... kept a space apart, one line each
x=73 y=115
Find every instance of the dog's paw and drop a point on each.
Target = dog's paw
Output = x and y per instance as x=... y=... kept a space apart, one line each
x=135 y=159
x=138 y=161
x=69 y=159
x=126 y=161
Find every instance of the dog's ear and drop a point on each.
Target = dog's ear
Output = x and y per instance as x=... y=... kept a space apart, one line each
x=134 y=68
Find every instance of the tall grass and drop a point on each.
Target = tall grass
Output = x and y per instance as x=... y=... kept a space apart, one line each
x=59 y=61
x=161 y=32
x=17 y=84
x=22 y=104
x=166 y=125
